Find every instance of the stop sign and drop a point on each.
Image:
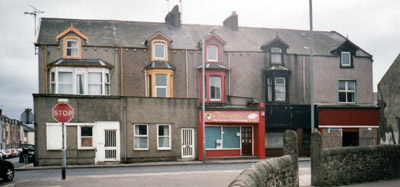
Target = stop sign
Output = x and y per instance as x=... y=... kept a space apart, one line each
x=63 y=113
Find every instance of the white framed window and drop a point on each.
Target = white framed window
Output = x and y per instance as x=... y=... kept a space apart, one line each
x=107 y=84
x=52 y=82
x=215 y=88
x=85 y=137
x=347 y=91
x=72 y=48
x=345 y=59
x=65 y=82
x=80 y=84
x=159 y=51
x=280 y=89
x=163 y=137
x=161 y=85
x=84 y=81
x=95 y=83
x=212 y=53
x=276 y=55
x=141 y=137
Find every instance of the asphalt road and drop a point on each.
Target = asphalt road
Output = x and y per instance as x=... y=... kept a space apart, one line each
x=183 y=175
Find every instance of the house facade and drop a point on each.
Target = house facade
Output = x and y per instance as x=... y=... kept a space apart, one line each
x=256 y=83
x=11 y=132
x=388 y=92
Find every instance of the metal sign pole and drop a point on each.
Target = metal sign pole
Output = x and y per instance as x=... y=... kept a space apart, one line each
x=64 y=160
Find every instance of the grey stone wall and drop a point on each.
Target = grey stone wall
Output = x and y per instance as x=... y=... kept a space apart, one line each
x=338 y=166
x=280 y=171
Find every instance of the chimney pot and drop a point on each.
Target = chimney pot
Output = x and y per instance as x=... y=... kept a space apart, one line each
x=232 y=21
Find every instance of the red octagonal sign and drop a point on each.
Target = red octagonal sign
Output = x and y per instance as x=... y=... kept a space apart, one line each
x=63 y=113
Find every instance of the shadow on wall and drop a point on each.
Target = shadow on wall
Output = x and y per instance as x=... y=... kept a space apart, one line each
x=386 y=133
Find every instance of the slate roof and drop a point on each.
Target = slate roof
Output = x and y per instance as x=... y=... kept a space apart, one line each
x=159 y=65
x=187 y=36
x=80 y=62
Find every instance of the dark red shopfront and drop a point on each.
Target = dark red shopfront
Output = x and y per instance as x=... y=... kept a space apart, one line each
x=232 y=133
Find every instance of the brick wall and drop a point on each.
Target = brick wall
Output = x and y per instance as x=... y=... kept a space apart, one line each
x=280 y=171
x=345 y=165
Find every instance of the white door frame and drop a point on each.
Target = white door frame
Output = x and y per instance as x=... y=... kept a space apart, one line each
x=100 y=128
x=187 y=143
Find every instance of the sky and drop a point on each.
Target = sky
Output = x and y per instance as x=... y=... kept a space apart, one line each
x=373 y=25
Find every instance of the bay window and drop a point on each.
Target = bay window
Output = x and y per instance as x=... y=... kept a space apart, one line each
x=215 y=88
x=82 y=81
x=159 y=83
x=276 y=89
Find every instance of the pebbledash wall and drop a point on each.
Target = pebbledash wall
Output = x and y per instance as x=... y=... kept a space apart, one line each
x=102 y=113
x=338 y=166
x=280 y=171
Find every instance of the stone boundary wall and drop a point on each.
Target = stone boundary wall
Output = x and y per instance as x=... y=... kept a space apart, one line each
x=345 y=165
x=280 y=171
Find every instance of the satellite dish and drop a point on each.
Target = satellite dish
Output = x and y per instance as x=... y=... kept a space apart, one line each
x=27 y=116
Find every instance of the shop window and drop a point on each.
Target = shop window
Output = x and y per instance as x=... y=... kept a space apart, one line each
x=159 y=50
x=215 y=88
x=212 y=53
x=163 y=137
x=347 y=91
x=219 y=137
x=274 y=140
x=160 y=83
x=141 y=139
x=85 y=137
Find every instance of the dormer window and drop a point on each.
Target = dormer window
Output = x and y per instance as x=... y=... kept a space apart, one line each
x=72 y=48
x=159 y=50
x=212 y=53
x=345 y=59
x=276 y=56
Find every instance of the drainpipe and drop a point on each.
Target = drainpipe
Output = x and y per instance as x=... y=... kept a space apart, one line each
x=187 y=75
x=46 y=69
x=122 y=73
x=145 y=83
x=125 y=133
x=304 y=79
x=229 y=74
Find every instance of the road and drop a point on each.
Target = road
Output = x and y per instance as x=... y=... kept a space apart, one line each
x=183 y=175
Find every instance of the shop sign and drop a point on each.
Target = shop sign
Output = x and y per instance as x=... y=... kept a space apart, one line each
x=232 y=116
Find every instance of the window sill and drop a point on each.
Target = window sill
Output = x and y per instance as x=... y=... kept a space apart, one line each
x=220 y=149
x=144 y=149
x=164 y=149
x=86 y=148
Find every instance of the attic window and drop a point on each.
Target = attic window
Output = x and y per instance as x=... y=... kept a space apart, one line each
x=159 y=50
x=212 y=53
x=276 y=56
x=72 y=48
x=345 y=59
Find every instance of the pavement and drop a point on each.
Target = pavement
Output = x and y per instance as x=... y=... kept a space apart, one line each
x=141 y=164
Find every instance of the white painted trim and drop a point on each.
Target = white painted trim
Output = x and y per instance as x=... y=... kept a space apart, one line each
x=348 y=126
x=140 y=136
x=158 y=145
x=79 y=136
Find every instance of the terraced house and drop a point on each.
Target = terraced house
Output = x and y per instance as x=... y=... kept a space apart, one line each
x=136 y=88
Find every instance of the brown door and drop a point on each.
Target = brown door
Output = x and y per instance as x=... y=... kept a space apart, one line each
x=247 y=140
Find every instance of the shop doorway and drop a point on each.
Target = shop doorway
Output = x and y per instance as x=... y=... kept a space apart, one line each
x=247 y=141
x=350 y=139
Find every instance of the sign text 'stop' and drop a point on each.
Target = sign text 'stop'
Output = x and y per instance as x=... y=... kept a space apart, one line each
x=63 y=113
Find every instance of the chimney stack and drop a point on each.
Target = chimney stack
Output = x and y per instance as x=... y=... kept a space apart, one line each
x=173 y=18
x=232 y=22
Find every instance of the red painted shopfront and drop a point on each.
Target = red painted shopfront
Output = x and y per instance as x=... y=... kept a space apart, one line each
x=232 y=133
x=350 y=126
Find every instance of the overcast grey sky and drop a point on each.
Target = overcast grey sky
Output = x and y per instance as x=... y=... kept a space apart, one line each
x=373 y=25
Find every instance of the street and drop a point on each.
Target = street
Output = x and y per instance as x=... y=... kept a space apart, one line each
x=185 y=175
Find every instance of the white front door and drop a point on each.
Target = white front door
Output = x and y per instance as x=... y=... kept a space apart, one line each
x=187 y=142
x=107 y=141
